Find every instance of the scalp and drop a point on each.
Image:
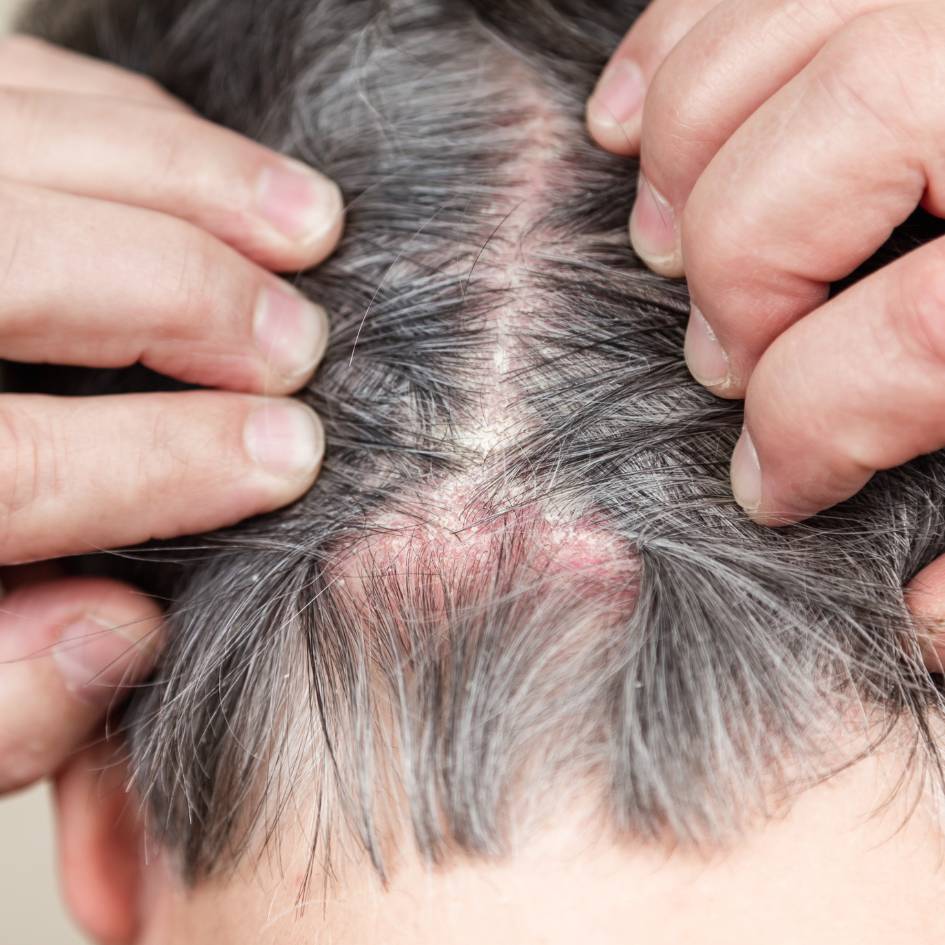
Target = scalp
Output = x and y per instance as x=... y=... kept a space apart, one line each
x=522 y=567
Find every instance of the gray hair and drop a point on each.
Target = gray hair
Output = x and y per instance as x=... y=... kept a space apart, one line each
x=522 y=568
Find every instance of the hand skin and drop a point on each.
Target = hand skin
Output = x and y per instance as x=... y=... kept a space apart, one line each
x=134 y=231
x=780 y=144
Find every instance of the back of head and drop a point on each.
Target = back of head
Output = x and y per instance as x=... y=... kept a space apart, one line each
x=521 y=576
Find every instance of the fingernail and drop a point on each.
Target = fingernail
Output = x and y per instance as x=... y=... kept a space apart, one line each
x=285 y=438
x=299 y=202
x=96 y=657
x=707 y=360
x=619 y=94
x=746 y=474
x=291 y=332
x=653 y=230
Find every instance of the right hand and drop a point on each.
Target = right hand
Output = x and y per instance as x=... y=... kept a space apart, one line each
x=780 y=144
x=134 y=231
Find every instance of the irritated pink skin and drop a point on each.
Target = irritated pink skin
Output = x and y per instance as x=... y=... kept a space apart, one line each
x=463 y=535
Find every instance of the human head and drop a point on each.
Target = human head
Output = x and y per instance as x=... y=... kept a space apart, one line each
x=520 y=596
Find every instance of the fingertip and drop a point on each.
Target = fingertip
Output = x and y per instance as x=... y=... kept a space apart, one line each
x=654 y=231
x=780 y=518
x=285 y=440
x=620 y=140
x=753 y=493
x=615 y=109
x=304 y=211
x=746 y=473
x=291 y=335
x=707 y=360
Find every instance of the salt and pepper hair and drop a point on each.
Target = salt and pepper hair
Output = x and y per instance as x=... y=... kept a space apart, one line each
x=521 y=569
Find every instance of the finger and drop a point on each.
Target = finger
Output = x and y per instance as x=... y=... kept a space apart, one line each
x=731 y=61
x=69 y=651
x=856 y=387
x=79 y=474
x=272 y=209
x=135 y=285
x=925 y=598
x=780 y=211
x=615 y=108
x=26 y=62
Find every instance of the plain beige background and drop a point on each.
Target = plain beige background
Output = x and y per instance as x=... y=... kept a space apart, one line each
x=30 y=908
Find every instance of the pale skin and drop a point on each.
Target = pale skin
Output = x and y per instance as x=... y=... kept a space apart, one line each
x=135 y=231
x=841 y=865
x=781 y=142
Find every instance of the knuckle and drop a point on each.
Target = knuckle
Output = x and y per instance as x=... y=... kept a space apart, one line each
x=163 y=440
x=198 y=281
x=846 y=85
x=674 y=105
x=153 y=467
x=175 y=446
x=679 y=123
x=183 y=148
x=32 y=469
x=171 y=145
x=848 y=76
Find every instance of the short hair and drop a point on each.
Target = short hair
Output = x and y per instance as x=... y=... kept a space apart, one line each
x=522 y=568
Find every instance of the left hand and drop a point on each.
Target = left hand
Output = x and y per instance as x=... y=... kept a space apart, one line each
x=134 y=230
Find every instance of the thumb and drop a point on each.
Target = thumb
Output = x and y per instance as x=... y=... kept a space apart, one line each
x=615 y=109
x=69 y=650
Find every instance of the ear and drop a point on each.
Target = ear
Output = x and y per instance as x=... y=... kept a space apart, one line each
x=100 y=845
